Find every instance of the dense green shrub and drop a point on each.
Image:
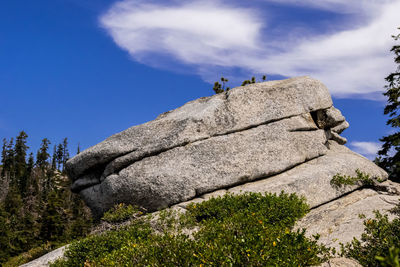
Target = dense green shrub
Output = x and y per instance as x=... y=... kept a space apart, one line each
x=380 y=242
x=244 y=230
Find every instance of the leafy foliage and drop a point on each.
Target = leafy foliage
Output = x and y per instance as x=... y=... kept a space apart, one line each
x=244 y=230
x=380 y=242
x=390 y=260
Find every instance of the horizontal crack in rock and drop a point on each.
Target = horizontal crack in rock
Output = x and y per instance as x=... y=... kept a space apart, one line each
x=157 y=152
x=199 y=194
x=377 y=188
x=103 y=167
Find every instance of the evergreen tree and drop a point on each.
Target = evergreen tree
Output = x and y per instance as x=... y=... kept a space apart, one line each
x=3 y=158
x=8 y=165
x=43 y=154
x=54 y=158
x=80 y=220
x=65 y=151
x=59 y=156
x=31 y=182
x=78 y=150
x=52 y=223
x=20 y=154
x=392 y=142
x=37 y=210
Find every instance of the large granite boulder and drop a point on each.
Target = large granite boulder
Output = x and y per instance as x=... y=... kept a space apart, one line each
x=265 y=137
x=271 y=136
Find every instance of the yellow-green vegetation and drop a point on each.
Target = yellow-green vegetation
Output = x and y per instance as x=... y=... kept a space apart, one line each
x=241 y=230
x=362 y=178
x=380 y=242
x=121 y=212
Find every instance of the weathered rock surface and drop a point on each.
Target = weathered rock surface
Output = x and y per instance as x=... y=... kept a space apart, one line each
x=46 y=259
x=286 y=131
x=340 y=262
x=310 y=179
x=239 y=109
x=339 y=222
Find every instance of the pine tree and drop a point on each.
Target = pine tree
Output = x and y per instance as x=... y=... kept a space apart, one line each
x=392 y=142
x=3 y=158
x=78 y=150
x=20 y=155
x=37 y=210
x=59 y=155
x=42 y=155
x=9 y=160
x=54 y=158
x=52 y=224
x=31 y=182
x=20 y=149
x=65 y=152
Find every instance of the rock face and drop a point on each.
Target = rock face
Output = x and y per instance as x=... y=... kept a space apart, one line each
x=338 y=221
x=272 y=136
x=47 y=259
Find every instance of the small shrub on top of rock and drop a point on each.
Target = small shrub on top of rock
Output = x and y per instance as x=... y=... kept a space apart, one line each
x=362 y=178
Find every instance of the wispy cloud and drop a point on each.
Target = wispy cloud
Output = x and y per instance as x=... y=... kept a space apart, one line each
x=343 y=6
x=193 y=32
x=367 y=149
x=214 y=36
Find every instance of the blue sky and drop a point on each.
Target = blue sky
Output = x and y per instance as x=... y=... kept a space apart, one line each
x=86 y=69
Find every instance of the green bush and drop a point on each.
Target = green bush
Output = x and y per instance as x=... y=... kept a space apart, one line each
x=380 y=242
x=121 y=212
x=362 y=178
x=243 y=230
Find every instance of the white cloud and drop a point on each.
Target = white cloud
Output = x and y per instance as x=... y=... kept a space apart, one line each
x=212 y=36
x=194 y=32
x=349 y=62
x=343 y=6
x=367 y=149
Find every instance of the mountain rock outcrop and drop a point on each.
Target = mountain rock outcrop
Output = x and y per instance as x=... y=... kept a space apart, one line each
x=271 y=136
x=265 y=137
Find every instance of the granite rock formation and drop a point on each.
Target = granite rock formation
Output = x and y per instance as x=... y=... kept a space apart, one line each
x=271 y=136
x=264 y=137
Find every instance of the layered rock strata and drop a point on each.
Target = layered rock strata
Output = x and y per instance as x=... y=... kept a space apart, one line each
x=281 y=135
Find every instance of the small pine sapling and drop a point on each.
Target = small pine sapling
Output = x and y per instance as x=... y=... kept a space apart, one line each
x=220 y=88
x=217 y=88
